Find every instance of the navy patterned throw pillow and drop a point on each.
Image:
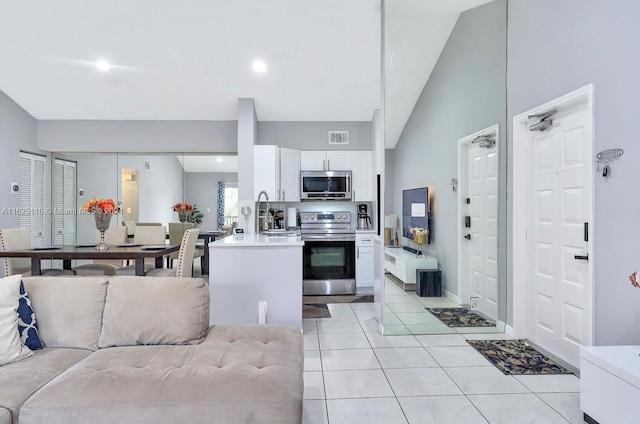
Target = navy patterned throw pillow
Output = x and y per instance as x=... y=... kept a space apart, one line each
x=27 y=325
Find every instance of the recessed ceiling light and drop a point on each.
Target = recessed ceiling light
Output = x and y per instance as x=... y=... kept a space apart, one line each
x=103 y=65
x=219 y=159
x=259 y=66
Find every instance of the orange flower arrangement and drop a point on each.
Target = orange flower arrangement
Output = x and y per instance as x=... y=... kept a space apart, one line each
x=101 y=206
x=183 y=207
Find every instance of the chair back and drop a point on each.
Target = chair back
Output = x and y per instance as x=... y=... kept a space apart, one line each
x=187 y=250
x=176 y=231
x=150 y=234
x=113 y=236
x=15 y=239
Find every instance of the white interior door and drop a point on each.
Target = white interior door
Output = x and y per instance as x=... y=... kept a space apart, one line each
x=558 y=284
x=64 y=202
x=482 y=249
x=32 y=196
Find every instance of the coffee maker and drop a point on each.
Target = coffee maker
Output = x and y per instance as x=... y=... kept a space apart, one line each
x=364 y=221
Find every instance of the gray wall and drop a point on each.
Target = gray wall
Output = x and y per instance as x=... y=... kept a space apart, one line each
x=389 y=181
x=18 y=131
x=556 y=47
x=314 y=135
x=138 y=136
x=201 y=188
x=465 y=94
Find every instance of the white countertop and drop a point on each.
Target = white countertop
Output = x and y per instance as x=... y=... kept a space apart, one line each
x=621 y=361
x=257 y=240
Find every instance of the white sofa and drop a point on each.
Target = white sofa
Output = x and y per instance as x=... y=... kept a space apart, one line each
x=139 y=350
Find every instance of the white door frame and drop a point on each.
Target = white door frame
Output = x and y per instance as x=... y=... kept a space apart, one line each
x=464 y=284
x=521 y=136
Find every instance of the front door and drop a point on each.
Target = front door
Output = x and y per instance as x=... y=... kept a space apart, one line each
x=559 y=191
x=483 y=242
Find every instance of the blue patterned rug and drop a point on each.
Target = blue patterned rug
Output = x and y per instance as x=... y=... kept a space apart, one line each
x=514 y=357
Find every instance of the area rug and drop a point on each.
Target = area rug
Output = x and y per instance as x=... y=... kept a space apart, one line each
x=460 y=317
x=514 y=357
x=311 y=310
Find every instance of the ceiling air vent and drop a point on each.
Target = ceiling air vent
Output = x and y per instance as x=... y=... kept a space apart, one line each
x=338 y=137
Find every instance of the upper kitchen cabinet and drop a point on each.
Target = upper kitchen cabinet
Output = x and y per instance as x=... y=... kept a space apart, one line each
x=320 y=160
x=290 y=174
x=276 y=170
x=266 y=171
x=362 y=174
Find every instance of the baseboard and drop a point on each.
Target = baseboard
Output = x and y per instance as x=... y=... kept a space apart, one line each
x=500 y=326
x=587 y=419
x=453 y=297
x=508 y=330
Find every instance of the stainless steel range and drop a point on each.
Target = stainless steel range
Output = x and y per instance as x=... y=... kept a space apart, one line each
x=329 y=253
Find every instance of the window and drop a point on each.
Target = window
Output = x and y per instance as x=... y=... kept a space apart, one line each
x=230 y=204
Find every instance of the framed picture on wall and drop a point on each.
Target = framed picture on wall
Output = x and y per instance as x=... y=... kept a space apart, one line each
x=416 y=211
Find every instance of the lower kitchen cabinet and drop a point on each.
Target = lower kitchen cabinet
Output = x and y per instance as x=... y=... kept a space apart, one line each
x=364 y=260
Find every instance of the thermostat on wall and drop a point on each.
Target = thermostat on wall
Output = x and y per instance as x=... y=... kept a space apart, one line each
x=238 y=231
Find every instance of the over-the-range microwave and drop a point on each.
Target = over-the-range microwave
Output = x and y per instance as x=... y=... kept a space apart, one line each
x=325 y=185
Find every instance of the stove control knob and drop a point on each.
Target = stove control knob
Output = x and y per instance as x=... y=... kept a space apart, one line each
x=344 y=216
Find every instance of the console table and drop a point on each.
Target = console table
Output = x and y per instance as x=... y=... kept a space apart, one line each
x=404 y=264
x=610 y=384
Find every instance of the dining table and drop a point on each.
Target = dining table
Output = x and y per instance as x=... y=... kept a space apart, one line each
x=208 y=236
x=67 y=253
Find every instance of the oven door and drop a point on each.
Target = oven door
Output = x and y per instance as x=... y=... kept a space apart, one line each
x=329 y=266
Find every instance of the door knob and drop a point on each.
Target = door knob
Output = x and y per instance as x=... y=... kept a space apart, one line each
x=581 y=257
x=468 y=236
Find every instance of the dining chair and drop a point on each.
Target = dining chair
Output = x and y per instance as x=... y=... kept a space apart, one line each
x=185 y=258
x=19 y=239
x=113 y=237
x=176 y=231
x=131 y=228
x=145 y=235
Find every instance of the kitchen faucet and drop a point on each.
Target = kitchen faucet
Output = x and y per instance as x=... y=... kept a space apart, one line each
x=267 y=216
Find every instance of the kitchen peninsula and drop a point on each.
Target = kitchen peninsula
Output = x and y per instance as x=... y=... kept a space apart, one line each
x=246 y=270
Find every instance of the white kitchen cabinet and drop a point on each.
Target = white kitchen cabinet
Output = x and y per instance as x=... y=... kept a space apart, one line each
x=321 y=160
x=339 y=160
x=266 y=171
x=313 y=160
x=362 y=175
x=290 y=175
x=364 y=260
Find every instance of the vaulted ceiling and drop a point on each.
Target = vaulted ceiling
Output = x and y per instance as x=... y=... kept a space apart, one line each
x=192 y=60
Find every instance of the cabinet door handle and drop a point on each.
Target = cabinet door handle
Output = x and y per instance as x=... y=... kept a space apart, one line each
x=328 y=165
x=324 y=162
x=357 y=253
x=581 y=257
x=283 y=195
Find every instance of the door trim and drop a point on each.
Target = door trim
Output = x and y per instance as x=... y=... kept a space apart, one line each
x=464 y=285
x=521 y=136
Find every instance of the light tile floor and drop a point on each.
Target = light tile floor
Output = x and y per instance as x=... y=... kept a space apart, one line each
x=355 y=375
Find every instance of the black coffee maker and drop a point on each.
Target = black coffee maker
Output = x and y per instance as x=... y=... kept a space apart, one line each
x=364 y=221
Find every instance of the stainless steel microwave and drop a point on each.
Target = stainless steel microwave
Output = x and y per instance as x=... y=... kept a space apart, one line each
x=325 y=185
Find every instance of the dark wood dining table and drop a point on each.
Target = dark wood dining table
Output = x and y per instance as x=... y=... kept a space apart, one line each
x=208 y=237
x=69 y=253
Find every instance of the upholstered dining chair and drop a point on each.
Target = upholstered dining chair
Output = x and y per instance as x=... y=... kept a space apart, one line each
x=185 y=257
x=113 y=237
x=19 y=239
x=145 y=235
x=176 y=231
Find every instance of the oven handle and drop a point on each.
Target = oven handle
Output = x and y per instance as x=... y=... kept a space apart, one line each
x=330 y=238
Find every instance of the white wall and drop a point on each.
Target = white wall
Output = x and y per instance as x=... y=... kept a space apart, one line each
x=465 y=94
x=556 y=46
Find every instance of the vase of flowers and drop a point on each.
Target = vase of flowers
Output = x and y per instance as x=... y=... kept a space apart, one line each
x=102 y=210
x=184 y=210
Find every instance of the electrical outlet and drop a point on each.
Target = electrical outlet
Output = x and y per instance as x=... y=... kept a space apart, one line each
x=473 y=303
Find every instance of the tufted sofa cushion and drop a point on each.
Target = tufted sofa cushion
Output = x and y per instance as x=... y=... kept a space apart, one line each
x=20 y=380
x=238 y=374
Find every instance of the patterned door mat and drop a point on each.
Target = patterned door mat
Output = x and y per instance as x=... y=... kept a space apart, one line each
x=310 y=310
x=460 y=317
x=514 y=357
